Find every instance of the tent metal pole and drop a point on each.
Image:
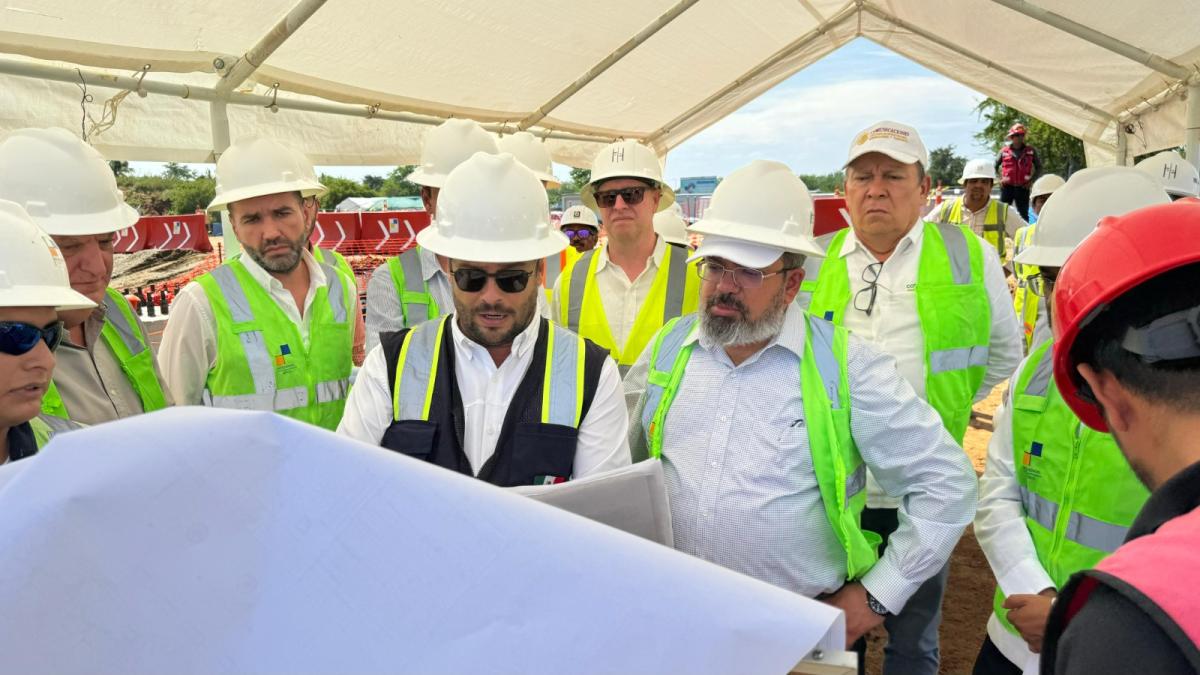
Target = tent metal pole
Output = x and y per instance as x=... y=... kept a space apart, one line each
x=1122 y=146
x=95 y=78
x=1192 y=128
x=608 y=61
x=218 y=115
x=958 y=49
x=260 y=52
x=1152 y=61
x=751 y=75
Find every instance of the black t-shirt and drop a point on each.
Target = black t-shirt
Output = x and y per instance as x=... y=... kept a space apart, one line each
x=21 y=443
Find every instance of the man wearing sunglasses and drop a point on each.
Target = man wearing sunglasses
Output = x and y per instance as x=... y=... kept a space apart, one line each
x=582 y=228
x=767 y=418
x=106 y=368
x=933 y=296
x=1042 y=461
x=272 y=329
x=34 y=288
x=493 y=391
x=620 y=294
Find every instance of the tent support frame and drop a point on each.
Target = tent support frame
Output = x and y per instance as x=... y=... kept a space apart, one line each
x=1192 y=126
x=254 y=57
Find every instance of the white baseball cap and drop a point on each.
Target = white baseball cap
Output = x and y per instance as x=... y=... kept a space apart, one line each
x=739 y=251
x=898 y=141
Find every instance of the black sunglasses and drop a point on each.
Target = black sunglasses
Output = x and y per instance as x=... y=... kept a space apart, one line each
x=580 y=233
x=18 y=337
x=470 y=280
x=632 y=196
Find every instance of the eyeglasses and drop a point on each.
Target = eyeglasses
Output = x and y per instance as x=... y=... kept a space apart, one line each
x=579 y=233
x=864 y=299
x=632 y=196
x=18 y=337
x=1042 y=285
x=743 y=277
x=470 y=280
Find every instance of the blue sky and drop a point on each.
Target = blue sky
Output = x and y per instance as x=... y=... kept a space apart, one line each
x=807 y=121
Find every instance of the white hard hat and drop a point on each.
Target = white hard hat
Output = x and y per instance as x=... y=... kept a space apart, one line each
x=579 y=215
x=1045 y=185
x=898 y=141
x=978 y=168
x=33 y=272
x=1177 y=175
x=256 y=166
x=446 y=146
x=1072 y=212
x=758 y=213
x=492 y=209
x=64 y=184
x=671 y=226
x=531 y=152
x=626 y=159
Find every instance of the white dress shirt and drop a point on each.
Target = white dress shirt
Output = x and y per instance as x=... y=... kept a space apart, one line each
x=894 y=325
x=1002 y=533
x=486 y=391
x=622 y=298
x=383 y=305
x=189 y=346
x=740 y=476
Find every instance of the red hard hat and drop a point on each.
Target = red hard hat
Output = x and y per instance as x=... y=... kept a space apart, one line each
x=1123 y=252
x=1017 y=129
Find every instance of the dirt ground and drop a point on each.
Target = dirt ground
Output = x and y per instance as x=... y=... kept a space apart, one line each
x=968 y=601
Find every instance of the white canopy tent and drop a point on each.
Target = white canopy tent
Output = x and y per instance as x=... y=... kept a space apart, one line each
x=357 y=82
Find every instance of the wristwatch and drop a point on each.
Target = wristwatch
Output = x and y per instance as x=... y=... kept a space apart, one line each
x=876 y=606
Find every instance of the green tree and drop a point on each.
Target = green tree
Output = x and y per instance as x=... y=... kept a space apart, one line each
x=191 y=196
x=373 y=182
x=147 y=194
x=176 y=171
x=397 y=184
x=340 y=189
x=1061 y=153
x=119 y=168
x=825 y=182
x=945 y=167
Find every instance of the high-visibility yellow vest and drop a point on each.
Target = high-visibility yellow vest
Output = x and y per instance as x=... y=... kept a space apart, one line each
x=262 y=363
x=825 y=389
x=328 y=256
x=412 y=291
x=674 y=292
x=1026 y=303
x=953 y=307
x=993 y=222
x=131 y=346
x=1077 y=489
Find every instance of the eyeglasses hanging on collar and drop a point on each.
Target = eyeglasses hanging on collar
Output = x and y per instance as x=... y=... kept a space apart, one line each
x=864 y=299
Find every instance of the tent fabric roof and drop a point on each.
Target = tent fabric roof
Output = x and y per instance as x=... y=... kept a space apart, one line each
x=543 y=66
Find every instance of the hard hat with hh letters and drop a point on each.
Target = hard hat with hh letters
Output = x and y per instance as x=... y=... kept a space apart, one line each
x=627 y=159
x=1178 y=177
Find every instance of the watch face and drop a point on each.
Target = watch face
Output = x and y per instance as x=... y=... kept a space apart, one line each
x=875 y=605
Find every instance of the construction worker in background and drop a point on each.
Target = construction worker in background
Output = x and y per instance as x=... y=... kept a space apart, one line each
x=1018 y=165
x=620 y=294
x=1025 y=301
x=1128 y=363
x=1178 y=176
x=582 y=229
x=272 y=329
x=767 y=419
x=34 y=288
x=106 y=368
x=531 y=152
x=414 y=286
x=671 y=226
x=493 y=390
x=1055 y=497
x=933 y=296
x=975 y=208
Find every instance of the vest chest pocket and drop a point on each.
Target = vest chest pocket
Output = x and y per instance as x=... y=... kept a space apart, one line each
x=414 y=438
x=545 y=452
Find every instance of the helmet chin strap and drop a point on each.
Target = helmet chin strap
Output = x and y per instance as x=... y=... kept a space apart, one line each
x=1174 y=337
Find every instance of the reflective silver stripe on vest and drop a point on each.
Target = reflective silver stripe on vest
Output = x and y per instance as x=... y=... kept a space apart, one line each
x=128 y=332
x=258 y=356
x=58 y=425
x=579 y=279
x=333 y=390
x=284 y=399
x=957 y=359
x=827 y=363
x=956 y=247
x=414 y=284
x=1039 y=384
x=1039 y=509
x=676 y=283
x=337 y=294
x=553 y=269
x=1095 y=534
x=856 y=482
x=564 y=383
x=668 y=351
x=414 y=379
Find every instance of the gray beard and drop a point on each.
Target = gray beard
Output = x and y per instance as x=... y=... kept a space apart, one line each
x=278 y=264
x=731 y=332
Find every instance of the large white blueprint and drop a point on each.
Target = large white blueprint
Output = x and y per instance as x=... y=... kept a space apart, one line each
x=204 y=541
